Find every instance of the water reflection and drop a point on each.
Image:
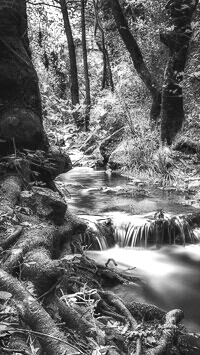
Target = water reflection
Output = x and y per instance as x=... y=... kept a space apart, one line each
x=87 y=188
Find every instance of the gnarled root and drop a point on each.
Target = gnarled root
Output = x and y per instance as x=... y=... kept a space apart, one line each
x=169 y=333
x=115 y=301
x=33 y=314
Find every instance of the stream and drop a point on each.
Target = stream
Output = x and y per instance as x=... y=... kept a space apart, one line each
x=170 y=276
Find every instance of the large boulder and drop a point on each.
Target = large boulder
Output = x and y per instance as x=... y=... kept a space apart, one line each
x=119 y=156
x=110 y=143
x=99 y=234
x=61 y=161
x=46 y=166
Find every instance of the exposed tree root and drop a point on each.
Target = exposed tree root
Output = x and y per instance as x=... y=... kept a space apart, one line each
x=146 y=312
x=41 y=235
x=34 y=315
x=118 y=304
x=169 y=333
x=70 y=289
x=17 y=344
x=11 y=238
x=10 y=190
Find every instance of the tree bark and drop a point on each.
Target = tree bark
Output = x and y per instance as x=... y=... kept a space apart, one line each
x=20 y=102
x=85 y=66
x=177 y=39
x=73 y=64
x=170 y=333
x=33 y=314
x=107 y=80
x=137 y=58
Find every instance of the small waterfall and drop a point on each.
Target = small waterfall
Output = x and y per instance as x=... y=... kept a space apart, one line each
x=99 y=234
x=138 y=231
x=155 y=229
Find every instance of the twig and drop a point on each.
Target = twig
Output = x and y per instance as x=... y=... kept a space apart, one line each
x=109 y=261
x=74 y=164
x=51 y=289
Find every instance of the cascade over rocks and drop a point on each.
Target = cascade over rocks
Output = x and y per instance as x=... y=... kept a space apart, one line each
x=50 y=291
x=35 y=268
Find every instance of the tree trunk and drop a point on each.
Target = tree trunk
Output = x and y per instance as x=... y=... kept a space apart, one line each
x=53 y=294
x=73 y=64
x=85 y=65
x=177 y=40
x=137 y=58
x=20 y=102
x=107 y=80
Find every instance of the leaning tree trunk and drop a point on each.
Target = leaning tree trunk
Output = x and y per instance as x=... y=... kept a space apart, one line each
x=73 y=64
x=137 y=58
x=20 y=103
x=85 y=65
x=177 y=40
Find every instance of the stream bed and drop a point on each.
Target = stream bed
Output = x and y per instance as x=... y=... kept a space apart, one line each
x=171 y=275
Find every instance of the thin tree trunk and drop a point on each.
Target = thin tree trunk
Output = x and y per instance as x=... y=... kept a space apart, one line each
x=72 y=60
x=107 y=80
x=85 y=65
x=177 y=40
x=137 y=58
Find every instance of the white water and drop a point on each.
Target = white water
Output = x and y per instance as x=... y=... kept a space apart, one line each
x=171 y=277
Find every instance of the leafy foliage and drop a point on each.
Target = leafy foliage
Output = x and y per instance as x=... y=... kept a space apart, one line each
x=129 y=105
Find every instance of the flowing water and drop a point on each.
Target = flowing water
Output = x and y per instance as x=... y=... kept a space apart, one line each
x=171 y=275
